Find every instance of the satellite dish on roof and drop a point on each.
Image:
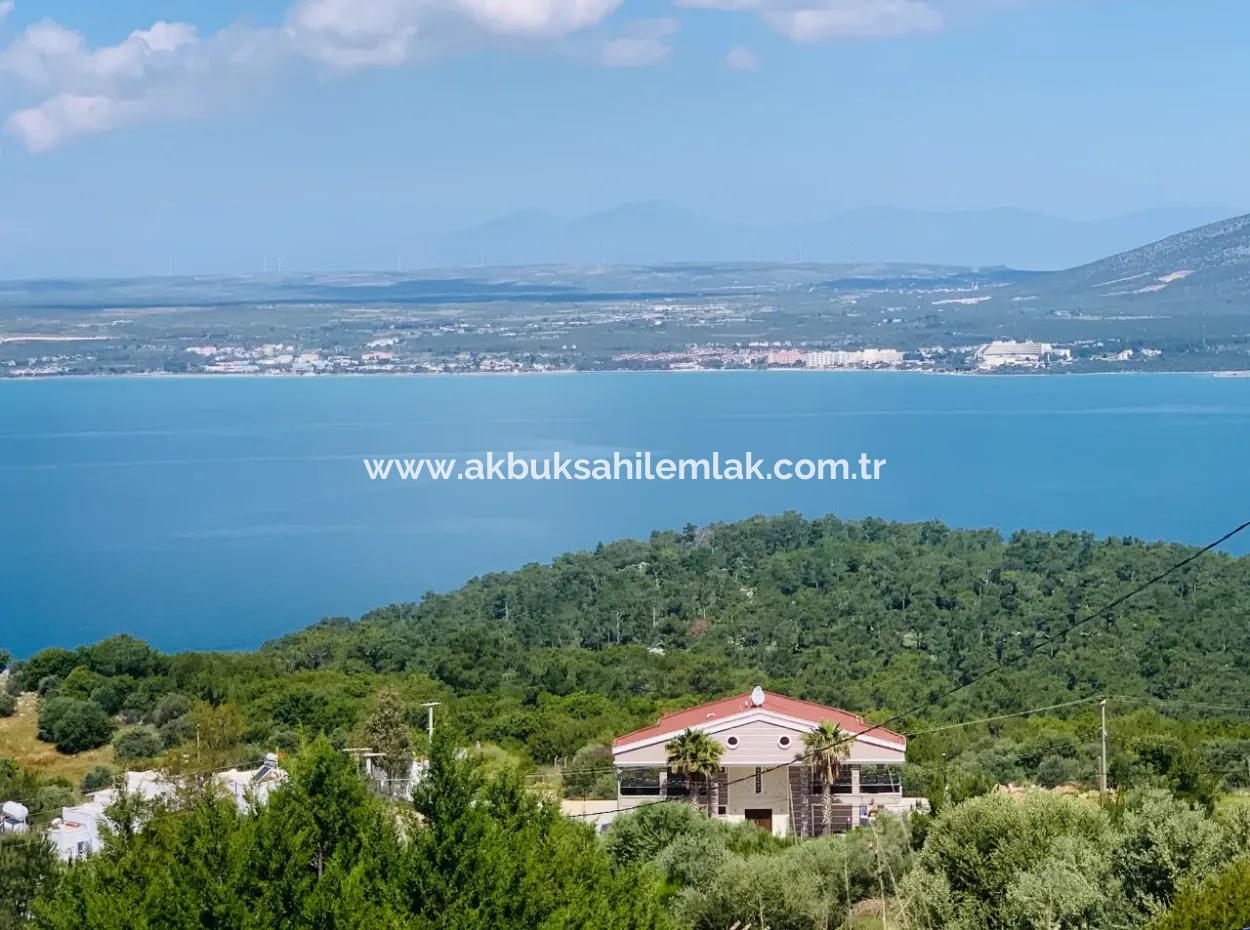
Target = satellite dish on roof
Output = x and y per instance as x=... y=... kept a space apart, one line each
x=757 y=696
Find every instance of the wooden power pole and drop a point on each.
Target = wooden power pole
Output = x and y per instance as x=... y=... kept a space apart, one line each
x=1102 y=768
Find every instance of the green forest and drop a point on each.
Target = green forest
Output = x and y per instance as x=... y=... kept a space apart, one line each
x=536 y=670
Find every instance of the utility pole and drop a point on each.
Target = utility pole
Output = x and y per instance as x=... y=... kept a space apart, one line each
x=1102 y=769
x=429 y=716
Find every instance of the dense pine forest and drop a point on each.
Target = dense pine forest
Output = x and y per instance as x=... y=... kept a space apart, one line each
x=538 y=668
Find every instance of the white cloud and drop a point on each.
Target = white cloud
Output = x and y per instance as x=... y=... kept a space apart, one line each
x=68 y=116
x=642 y=45
x=855 y=19
x=537 y=17
x=163 y=72
x=48 y=55
x=826 y=20
x=66 y=89
x=93 y=90
x=168 y=71
x=350 y=34
x=741 y=58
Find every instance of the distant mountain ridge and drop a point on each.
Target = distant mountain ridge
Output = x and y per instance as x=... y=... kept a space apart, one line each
x=1206 y=267
x=1201 y=270
x=656 y=231
x=1221 y=245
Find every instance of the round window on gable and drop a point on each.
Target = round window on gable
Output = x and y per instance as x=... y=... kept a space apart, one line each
x=731 y=742
x=783 y=742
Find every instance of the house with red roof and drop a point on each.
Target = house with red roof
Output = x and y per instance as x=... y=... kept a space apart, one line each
x=764 y=777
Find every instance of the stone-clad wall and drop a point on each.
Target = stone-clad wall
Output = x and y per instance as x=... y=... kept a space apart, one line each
x=698 y=795
x=801 y=801
x=808 y=807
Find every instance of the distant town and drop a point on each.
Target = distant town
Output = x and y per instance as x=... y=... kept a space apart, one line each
x=389 y=356
x=710 y=316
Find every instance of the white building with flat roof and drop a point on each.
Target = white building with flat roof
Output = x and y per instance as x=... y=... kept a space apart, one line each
x=859 y=358
x=1020 y=354
x=79 y=830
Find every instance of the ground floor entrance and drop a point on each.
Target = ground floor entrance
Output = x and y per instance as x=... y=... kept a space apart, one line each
x=761 y=817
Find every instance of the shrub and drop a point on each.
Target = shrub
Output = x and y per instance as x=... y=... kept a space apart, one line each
x=1053 y=771
x=1163 y=840
x=48 y=684
x=137 y=705
x=125 y=655
x=170 y=707
x=1234 y=821
x=52 y=798
x=102 y=776
x=590 y=773
x=72 y=724
x=80 y=682
x=8 y=704
x=138 y=742
x=761 y=891
x=109 y=696
x=51 y=710
x=1043 y=860
x=179 y=730
x=642 y=835
x=46 y=662
x=860 y=864
x=1220 y=903
x=694 y=859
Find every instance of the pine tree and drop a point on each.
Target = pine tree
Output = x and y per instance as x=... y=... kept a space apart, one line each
x=387 y=733
x=27 y=863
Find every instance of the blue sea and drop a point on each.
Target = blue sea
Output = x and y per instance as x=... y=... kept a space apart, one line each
x=221 y=512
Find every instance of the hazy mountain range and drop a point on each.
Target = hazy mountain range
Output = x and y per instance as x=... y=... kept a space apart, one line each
x=658 y=231
x=1200 y=270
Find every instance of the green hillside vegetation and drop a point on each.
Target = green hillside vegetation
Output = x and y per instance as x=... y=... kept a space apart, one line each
x=877 y=617
x=542 y=666
x=470 y=852
x=1222 y=902
x=479 y=850
x=1040 y=862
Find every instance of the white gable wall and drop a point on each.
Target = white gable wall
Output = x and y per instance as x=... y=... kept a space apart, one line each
x=758 y=738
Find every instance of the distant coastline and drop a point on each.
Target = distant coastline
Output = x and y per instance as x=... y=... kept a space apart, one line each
x=380 y=375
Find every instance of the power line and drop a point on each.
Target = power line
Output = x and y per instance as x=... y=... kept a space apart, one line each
x=1019 y=713
x=1114 y=603
x=1165 y=702
x=970 y=723
x=999 y=666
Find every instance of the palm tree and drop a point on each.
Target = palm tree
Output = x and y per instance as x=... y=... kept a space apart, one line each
x=825 y=749
x=695 y=754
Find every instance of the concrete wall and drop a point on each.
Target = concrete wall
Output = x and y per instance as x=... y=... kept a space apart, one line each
x=774 y=791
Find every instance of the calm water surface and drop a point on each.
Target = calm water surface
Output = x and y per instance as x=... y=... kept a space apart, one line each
x=217 y=513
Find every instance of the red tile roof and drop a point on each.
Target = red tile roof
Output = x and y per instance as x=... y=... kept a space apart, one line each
x=808 y=711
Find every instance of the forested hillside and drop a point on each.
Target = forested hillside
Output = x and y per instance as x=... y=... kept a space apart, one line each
x=539 y=668
x=877 y=617
x=869 y=615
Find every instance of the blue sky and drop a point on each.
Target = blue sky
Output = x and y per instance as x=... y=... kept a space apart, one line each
x=337 y=132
